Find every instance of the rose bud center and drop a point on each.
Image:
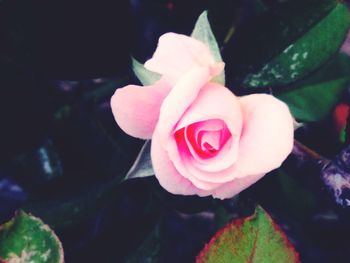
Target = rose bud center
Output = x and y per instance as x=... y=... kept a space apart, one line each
x=204 y=138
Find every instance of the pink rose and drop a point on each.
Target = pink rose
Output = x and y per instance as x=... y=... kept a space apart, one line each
x=205 y=140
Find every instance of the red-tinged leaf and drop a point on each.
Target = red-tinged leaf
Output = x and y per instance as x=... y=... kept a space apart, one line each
x=252 y=239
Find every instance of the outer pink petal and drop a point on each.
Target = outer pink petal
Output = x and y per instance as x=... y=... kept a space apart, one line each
x=136 y=108
x=167 y=175
x=236 y=186
x=177 y=53
x=267 y=137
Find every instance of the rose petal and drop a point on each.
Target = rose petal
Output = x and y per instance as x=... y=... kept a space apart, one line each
x=267 y=136
x=182 y=165
x=210 y=180
x=167 y=175
x=136 y=108
x=176 y=54
x=266 y=140
x=198 y=135
x=171 y=180
x=236 y=186
x=213 y=102
x=179 y=99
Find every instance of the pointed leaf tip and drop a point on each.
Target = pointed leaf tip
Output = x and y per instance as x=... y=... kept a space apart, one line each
x=145 y=76
x=203 y=32
x=252 y=239
x=142 y=166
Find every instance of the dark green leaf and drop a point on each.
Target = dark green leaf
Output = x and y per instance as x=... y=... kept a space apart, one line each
x=314 y=98
x=263 y=37
x=72 y=209
x=224 y=17
x=149 y=250
x=293 y=193
x=27 y=239
x=305 y=54
x=253 y=239
x=39 y=165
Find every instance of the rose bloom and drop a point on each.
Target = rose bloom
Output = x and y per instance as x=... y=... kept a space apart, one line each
x=205 y=140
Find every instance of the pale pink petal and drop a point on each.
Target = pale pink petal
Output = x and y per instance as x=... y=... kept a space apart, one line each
x=236 y=186
x=171 y=180
x=136 y=108
x=199 y=134
x=167 y=175
x=210 y=179
x=213 y=102
x=266 y=140
x=181 y=165
x=267 y=136
x=179 y=99
x=176 y=54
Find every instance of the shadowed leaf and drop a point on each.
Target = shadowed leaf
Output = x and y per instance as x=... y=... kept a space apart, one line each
x=142 y=166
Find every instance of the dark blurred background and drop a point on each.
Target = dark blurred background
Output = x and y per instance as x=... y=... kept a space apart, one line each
x=62 y=155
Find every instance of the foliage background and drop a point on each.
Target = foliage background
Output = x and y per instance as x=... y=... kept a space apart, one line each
x=62 y=156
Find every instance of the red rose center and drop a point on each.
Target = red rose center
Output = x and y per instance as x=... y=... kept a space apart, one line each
x=204 y=138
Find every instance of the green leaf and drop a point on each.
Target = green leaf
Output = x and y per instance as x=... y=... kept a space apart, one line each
x=305 y=54
x=27 y=239
x=224 y=16
x=202 y=31
x=142 y=166
x=40 y=165
x=293 y=192
x=342 y=135
x=252 y=239
x=149 y=249
x=70 y=210
x=145 y=76
x=314 y=98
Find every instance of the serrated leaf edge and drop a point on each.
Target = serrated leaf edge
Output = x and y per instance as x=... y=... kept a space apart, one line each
x=240 y=221
x=43 y=225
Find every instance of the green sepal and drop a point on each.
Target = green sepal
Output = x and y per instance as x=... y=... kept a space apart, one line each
x=145 y=76
x=203 y=32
